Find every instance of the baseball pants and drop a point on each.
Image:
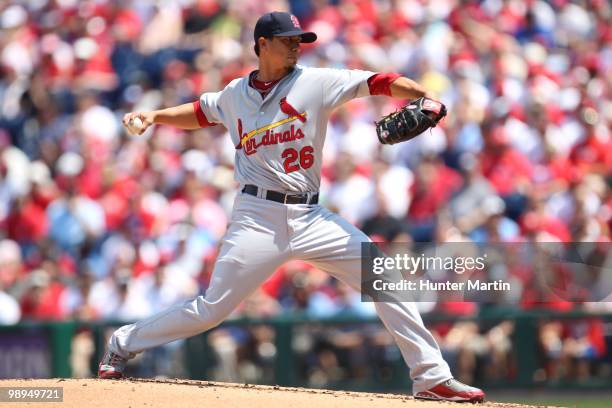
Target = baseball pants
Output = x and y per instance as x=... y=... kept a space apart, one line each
x=262 y=236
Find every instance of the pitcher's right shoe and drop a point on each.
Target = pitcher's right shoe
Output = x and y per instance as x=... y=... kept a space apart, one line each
x=111 y=366
x=452 y=390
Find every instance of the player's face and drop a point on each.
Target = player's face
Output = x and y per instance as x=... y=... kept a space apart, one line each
x=285 y=50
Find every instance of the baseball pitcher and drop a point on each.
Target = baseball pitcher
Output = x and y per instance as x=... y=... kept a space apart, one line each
x=277 y=118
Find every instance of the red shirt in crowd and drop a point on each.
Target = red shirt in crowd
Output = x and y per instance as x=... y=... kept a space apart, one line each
x=430 y=196
x=43 y=303
x=505 y=168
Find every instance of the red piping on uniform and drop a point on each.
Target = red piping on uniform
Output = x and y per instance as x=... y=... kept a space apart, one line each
x=239 y=145
x=202 y=121
x=380 y=84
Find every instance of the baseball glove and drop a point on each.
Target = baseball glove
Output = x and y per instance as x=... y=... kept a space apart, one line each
x=410 y=121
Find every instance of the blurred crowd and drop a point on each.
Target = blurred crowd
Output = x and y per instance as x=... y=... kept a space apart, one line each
x=96 y=224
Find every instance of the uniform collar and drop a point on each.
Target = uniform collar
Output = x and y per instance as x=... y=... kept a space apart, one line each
x=253 y=93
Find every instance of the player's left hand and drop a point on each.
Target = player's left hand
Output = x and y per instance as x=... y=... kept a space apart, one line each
x=410 y=121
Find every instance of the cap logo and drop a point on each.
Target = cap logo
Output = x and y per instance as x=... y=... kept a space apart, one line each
x=295 y=21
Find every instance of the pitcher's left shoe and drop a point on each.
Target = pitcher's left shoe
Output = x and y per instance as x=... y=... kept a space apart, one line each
x=452 y=390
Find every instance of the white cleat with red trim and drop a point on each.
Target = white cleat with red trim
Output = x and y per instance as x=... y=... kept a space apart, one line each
x=452 y=390
x=111 y=366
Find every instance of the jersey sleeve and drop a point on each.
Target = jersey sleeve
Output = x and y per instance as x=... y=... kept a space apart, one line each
x=342 y=85
x=211 y=105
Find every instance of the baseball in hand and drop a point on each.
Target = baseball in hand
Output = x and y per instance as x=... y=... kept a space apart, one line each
x=135 y=125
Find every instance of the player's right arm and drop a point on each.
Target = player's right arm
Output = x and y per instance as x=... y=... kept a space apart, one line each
x=186 y=116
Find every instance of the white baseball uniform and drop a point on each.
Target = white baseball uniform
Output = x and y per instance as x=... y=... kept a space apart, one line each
x=279 y=143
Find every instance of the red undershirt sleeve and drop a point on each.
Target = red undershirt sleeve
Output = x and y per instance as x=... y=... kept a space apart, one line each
x=380 y=84
x=202 y=121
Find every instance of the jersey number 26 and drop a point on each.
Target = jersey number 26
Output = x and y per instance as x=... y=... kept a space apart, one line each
x=291 y=156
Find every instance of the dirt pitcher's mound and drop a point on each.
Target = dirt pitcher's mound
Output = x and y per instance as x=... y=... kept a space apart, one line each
x=188 y=393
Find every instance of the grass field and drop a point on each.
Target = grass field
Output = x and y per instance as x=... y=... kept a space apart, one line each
x=558 y=399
